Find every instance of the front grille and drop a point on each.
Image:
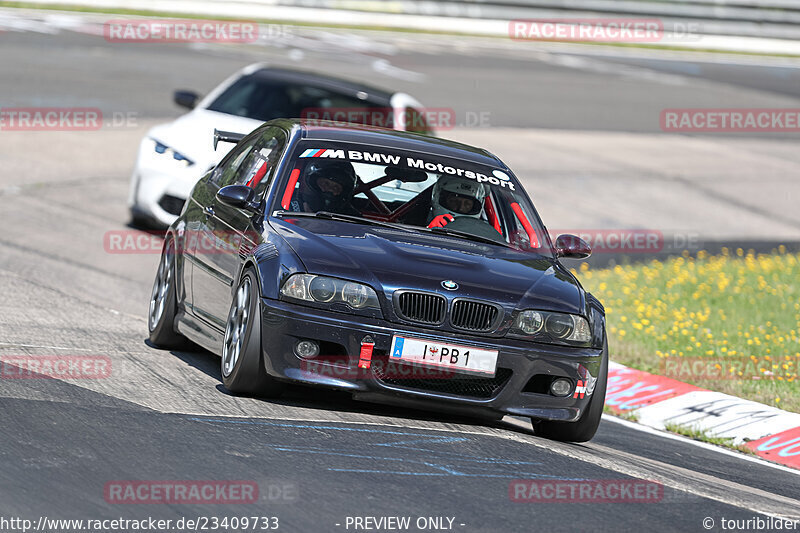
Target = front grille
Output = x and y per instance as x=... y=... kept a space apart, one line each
x=422 y=307
x=474 y=387
x=473 y=316
x=171 y=204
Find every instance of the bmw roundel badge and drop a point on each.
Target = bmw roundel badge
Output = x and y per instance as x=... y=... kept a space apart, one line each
x=449 y=284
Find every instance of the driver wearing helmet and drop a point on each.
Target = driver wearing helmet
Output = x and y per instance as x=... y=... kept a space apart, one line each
x=453 y=197
x=326 y=186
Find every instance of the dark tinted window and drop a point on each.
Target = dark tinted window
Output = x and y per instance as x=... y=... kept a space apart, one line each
x=253 y=164
x=264 y=100
x=230 y=164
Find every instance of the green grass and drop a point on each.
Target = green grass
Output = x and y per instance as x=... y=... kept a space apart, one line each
x=729 y=323
x=703 y=436
x=631 y=416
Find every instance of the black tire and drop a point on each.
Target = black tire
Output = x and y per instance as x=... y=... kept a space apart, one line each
x=140 y=221
x=584 y=429
x=242 y=364
x=164 y=301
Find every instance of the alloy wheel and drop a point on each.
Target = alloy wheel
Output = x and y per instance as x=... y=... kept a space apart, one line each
x=236 y=328
x=161 y=286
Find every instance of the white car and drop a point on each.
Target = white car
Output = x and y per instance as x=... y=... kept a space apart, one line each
x=174 y=156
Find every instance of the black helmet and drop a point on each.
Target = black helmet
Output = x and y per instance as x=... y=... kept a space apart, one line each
x=321 y=198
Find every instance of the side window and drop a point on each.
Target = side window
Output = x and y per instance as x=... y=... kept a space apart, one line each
x=230 y=164
x=255 y=165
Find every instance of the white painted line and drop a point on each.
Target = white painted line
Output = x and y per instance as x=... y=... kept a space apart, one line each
x=700 y=444
x=44 y=347
x=629 y=464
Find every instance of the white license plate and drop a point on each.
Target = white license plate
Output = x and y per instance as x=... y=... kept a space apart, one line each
x=450 y=356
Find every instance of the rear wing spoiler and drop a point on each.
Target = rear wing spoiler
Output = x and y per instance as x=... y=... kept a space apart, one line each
x=227 y=137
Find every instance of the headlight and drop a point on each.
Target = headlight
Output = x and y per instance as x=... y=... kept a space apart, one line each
x=556 y=328
x=560 y=326
x=356 y=295
x=322 y=289
x=163 y=149
x=296 y=287
x=530 y=322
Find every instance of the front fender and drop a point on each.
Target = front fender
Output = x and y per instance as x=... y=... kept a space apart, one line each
x=597 y=320
x=274 y=261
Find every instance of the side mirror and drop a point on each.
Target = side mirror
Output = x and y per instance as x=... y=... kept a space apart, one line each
x=572 y=247
x=239 y=196
x=187 y=99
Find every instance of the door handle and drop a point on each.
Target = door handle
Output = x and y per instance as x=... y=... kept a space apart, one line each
x=209 y=211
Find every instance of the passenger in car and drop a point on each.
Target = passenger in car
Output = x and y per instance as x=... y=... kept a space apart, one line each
x=326 y=186
x=454 y=197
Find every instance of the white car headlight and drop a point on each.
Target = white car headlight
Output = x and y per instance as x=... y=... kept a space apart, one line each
x=168 y=153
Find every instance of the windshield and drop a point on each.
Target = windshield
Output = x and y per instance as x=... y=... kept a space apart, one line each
x=266 y=99
x=422 y=191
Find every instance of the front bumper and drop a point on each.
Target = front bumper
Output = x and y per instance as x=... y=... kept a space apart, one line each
x=516 y=388
x=158 y=186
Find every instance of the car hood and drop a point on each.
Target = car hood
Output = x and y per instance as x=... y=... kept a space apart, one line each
x=193 y=135
x=390 y=259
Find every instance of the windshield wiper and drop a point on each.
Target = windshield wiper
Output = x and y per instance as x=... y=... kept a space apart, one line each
x=469 y=236
x=327 y=215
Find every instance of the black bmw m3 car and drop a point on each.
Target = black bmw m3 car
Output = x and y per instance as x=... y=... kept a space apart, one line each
x=403 y=268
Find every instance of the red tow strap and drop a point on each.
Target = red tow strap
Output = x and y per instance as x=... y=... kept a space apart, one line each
x=365 y=357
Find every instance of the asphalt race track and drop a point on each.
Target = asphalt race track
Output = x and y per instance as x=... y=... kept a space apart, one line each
x=317 y=457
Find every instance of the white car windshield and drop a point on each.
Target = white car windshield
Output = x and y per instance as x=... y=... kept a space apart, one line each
x=264 y=99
